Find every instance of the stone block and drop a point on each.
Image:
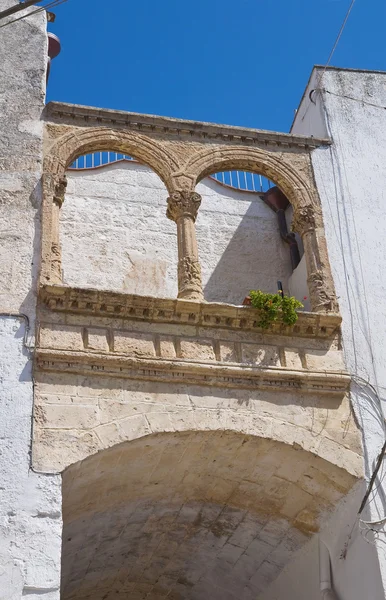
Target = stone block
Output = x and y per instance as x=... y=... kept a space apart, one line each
x=260 y=356
x=228 y=352
x=167 y=348
x=318 y=360
x=140 y=345
x=134 y=427
x=61 y=337
x=197 y=349
x=72 y=416
x=292 y=358
x=97 y=339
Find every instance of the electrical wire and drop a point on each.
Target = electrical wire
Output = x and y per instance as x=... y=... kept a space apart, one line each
x=337 y=40
x=355 y=99
x=34 y=12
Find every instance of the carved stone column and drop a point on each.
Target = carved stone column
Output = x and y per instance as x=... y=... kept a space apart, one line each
x=182 y=208
x=308 y=225
x=56 y=251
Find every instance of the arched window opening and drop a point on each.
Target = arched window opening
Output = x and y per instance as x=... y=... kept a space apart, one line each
x=114 y=233
x=245 y=239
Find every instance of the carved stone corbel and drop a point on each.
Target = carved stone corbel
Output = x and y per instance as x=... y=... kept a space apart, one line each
x=182 y=208
x=56 y=251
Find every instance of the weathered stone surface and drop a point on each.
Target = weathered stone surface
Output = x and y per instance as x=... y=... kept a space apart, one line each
x=189 y=515
x=30 y=503
x=313 y=422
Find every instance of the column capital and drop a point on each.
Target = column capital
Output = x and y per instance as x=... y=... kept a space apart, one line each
x=60 y=190
x=183 y=203
x=304 y=219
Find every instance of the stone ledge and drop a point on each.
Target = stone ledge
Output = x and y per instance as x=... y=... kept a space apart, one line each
x=66 y=113
x=196 y=373
x=183 y=312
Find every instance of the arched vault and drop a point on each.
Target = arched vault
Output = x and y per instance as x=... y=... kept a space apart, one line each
x=190 y=515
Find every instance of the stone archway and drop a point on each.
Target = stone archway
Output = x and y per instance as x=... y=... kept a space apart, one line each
x=190 y=515
x=62 y=152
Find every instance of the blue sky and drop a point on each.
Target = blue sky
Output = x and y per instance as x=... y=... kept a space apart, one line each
x=241 y=63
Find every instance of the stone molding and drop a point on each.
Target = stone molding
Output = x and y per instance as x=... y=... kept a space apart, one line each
x=161 y=310
x=86 y=331
x=194 y=373
x=70 y=113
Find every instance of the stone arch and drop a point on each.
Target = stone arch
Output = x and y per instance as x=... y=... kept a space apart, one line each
x=294 y=177
x=272 y=165
x=63 y=152
x=200 y=514
x=77 y=142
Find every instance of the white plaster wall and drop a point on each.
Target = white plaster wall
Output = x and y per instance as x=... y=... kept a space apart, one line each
x=30 y=521
x=115 y=235
x=352 y=185
x=239 y=244
x=30 y=504
x=297 y=284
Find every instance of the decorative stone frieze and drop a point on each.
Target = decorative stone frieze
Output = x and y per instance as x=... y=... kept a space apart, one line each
x=114 y=305
x=182 y=341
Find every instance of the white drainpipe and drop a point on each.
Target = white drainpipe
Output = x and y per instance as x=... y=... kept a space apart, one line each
x=326 y=590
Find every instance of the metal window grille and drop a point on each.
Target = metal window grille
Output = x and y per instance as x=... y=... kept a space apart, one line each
x=238 y=180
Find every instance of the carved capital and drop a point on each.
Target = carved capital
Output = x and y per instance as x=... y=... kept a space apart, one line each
x=189 y=278
x=183 y=203
x=60 y=190
x=304 y=219
x=323 y=299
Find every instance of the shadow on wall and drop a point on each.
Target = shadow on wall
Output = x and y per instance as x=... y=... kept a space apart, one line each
x=240 y=246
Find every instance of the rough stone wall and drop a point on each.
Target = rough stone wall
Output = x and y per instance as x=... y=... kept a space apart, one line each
x=22 y=90
x=30 y=523
x=77 y=416
x=115 y=235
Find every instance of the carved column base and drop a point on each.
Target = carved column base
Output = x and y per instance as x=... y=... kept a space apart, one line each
x=56 y=263
x=189 y=279
x=323 y=300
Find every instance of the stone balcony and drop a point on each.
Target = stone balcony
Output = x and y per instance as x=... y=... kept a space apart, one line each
x=185 y=341
x=172 y=347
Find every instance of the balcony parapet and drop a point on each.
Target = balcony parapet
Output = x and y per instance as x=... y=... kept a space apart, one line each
x=116 y=335
x=179 y=311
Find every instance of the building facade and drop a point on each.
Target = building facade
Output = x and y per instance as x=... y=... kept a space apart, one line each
x=157 y=441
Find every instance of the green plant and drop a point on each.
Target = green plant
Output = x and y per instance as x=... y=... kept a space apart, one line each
x=274 y=307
